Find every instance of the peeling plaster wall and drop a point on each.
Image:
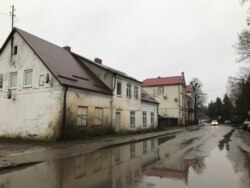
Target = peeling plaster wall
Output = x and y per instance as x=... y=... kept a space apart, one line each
x=121 y=103
x=91 y=100
x=33 y=112
x=150 y=108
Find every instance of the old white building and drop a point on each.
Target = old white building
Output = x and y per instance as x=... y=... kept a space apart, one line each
x=170 y=92
x=149 y=110
x=47 y=92
x=127 y=101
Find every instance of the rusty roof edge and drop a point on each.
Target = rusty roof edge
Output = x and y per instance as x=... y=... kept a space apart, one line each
x=128 y=77
x=39 y=56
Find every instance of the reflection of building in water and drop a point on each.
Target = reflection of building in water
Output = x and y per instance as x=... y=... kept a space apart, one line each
x=172 y=165
x=115 y=167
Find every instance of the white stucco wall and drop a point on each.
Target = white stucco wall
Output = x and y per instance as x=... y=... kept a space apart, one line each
x=34 y=112
x=149 y=108
x=124 y=105
x=172 y=101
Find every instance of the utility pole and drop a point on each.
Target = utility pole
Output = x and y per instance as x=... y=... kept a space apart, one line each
x=12 y=13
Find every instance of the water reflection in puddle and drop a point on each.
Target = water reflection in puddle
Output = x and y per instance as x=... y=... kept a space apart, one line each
x=151 y=163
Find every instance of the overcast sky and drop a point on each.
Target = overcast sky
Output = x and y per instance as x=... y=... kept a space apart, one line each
x=144 y=38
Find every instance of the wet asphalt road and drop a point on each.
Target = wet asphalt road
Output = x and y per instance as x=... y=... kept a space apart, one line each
x=205 y=158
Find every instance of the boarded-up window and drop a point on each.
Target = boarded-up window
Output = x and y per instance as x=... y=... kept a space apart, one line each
x=98 y=116
x=1 y=81
x=82 y=116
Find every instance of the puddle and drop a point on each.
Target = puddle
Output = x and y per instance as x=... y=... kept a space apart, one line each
x=151 y=163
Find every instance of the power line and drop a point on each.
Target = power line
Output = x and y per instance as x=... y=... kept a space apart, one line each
x=5 y=14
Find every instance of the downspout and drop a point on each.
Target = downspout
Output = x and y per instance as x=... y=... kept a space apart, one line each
x=179 y=105
x=112 y=100
x=64 y=113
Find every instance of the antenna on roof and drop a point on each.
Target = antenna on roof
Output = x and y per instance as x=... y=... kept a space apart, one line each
x=12 y=13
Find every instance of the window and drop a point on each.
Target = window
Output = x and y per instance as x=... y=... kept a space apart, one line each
x=161 y=90
x=144 y=119
x=15 y=50
x=129 y=91
x=132 y=151
x=132 y=118
x=98 y=116
x=28 y=78
x=152 y=118
x=119 y=88
x=82 y=116
x=13 y=80
x=1 y=81
x=136 y=92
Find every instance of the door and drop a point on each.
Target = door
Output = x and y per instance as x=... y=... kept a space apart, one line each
x=117 y=121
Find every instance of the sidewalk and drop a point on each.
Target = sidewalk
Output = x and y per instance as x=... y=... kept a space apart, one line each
x=16 y=154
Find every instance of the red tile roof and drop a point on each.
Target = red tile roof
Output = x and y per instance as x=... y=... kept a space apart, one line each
x=174 y=80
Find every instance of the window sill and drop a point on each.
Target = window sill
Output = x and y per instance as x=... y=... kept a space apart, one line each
x=120 y=96
x=27 y=86
x=13 y=88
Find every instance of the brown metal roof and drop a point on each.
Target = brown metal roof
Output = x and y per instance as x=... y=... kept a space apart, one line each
x=147 y=98
x=63 y=65
x=109 y=69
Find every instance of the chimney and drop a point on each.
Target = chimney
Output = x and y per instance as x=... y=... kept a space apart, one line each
x=98 y=60
x=182 y=74
x=159 y=77
x=68 y=48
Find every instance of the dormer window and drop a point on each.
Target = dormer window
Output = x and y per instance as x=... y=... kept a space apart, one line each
x=15 y=50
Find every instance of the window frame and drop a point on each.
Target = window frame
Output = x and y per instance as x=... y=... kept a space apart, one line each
x=129 y=91
x=136 y=92
x=25 y=76
x=82 y=117
x=152 y=118
x=1 y=78
x=132 y=118
x=98 y=118
x=119 y=82
x=161 y=90
x=10 y=81
x=144 y=119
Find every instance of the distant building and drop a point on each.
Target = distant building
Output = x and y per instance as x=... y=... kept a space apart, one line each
x=170 y=92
